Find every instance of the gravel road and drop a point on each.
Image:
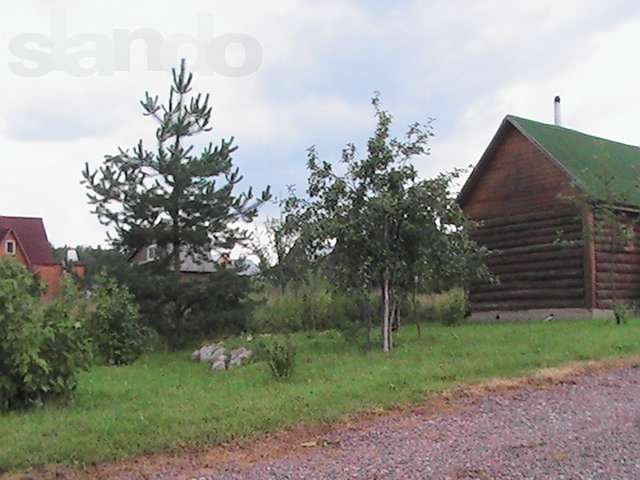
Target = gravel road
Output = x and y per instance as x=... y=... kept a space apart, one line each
x=586 y=429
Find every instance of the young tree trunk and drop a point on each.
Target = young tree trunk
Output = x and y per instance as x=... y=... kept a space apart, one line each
x=393 y=318
x=613 y=241
x=365 y=312
x=414 y=307
x=386 y=314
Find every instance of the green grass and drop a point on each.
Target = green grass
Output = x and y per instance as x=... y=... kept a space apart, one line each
x=165 y=401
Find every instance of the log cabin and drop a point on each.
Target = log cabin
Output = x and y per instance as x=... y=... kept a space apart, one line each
x=546 y=252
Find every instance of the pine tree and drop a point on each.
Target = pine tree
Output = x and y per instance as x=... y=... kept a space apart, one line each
x=171 y=196
x=179 y=200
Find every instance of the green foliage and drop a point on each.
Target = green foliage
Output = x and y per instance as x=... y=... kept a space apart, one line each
x=351 y=330
x=448 y=308
x=115 y=323
x=308 y=308
x=42 y=348
x=282 y=258
x=454 y=310
x=164 y=402
x=385 y=226
x=20 y=336
x=67 y=343
x=182 y=309
x=281 y=357
x=182 y=201
x=611 y=227
x=98 y=261
x=621 y=312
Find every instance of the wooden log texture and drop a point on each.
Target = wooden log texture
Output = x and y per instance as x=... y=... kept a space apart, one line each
x=551 y=225
x=528 y=304
x=499 y=241
x=527 y=294
x=537 y=257
x=617 y=263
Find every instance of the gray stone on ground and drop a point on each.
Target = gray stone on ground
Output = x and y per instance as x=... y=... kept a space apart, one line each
x=209 y=353
x=220 y=358
x=239 y=357
x=220 y=364
x=219 y=354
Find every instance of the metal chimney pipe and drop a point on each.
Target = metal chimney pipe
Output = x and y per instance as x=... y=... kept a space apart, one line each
x=557 y=118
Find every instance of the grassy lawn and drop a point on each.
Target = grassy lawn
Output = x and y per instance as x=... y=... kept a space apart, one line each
x=164 y=400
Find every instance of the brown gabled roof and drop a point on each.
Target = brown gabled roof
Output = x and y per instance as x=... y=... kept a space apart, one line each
x=32 y=236
x=584 y=158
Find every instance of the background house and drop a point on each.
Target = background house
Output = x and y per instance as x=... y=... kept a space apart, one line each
x=550 y=257
x=25 y=238
x=191 y=263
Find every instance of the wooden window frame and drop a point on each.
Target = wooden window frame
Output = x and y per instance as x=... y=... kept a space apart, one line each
x=11 y=251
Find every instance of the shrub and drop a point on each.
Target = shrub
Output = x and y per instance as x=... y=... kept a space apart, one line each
x=182 y=309
x=621 y=312
x=67 y=344
x=350 y=331
x=281 y=356
x=308 y=308
x=20 y=335
x=42 y=348
x=279 y=314
x=119 y=337
x=455 y=308
x=448 y=308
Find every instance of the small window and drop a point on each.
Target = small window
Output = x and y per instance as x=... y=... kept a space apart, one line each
x=151 y=253
x=10 y=247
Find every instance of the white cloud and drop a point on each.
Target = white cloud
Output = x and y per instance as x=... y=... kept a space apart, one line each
x=468 y=64
x=599 y=96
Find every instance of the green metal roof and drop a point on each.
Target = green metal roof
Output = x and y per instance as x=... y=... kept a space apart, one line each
x=588 y=159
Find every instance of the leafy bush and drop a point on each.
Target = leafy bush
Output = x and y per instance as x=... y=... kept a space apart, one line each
x=351 y=331
x=42 y=348
x=278 y=313
x=453 y=311
x=20 y=335
x=67 y=344
x=448 y=308
x=622 y=312
x=181 y=309
x=119 y=337
x=281 y=356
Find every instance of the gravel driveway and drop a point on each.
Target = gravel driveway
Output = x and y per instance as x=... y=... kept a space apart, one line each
x=588 y=428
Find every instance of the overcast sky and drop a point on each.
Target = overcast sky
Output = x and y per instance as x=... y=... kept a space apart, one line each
x=295 y=74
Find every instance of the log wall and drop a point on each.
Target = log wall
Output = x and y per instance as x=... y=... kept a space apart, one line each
x=538 y=258
x=517 y=178
x=617 y=272
x=542 y=258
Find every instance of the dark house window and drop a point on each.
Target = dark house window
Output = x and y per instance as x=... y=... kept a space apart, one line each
x=10 y=247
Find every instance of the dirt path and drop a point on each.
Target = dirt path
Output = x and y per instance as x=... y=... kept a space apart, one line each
x=560 y=425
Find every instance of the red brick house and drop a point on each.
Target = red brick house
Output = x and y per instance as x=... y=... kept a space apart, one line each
x=520 y=191
x=25 y=238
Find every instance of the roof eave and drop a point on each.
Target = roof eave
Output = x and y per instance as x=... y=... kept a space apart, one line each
x=476 y=171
